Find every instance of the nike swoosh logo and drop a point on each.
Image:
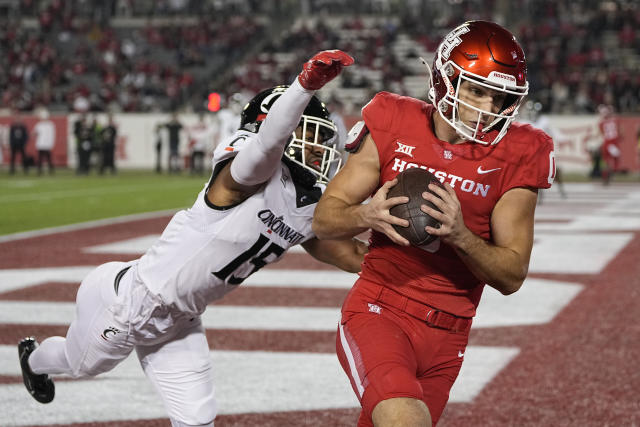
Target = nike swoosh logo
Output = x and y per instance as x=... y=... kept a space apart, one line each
x=482 y=171
x=460 y=354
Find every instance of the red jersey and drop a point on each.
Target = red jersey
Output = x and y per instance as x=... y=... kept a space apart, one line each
x=609 y=130
x=610 y=135
x=402 y=129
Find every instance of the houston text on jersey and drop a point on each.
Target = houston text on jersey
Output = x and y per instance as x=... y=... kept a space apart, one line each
x=466 y=185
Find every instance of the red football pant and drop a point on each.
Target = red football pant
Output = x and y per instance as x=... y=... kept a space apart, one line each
x=387 y=353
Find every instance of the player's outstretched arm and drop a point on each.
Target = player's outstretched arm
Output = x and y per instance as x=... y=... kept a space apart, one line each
x=258 y=161
x=340 y=212
x=346 y=254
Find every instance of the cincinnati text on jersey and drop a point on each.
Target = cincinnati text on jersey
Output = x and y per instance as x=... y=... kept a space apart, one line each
x=278 y=226
x=466 y=185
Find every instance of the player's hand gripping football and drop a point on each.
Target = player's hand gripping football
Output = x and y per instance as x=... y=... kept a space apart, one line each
x=322 y=68
x=452 y=229
x=376 y=214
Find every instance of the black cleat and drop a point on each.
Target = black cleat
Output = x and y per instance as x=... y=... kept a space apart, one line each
x=39 y=386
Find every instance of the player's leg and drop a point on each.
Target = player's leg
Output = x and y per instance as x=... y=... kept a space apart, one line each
x=12 y=161
x=441 y=370
x=39 y=162
x=181 y=372
x=407 y=411
x=50 y=162
x=606 y=168
x=379 y=360
x=95 y=342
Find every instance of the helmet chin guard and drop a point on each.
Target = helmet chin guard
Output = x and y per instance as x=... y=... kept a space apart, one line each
x=487 y=55
x=315 y=149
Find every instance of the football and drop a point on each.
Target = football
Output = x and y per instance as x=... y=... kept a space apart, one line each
x=412 y=183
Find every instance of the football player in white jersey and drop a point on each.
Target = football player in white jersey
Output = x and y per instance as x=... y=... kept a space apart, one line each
x=259 y=202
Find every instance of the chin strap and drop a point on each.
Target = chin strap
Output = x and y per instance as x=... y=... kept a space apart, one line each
x=431 y=93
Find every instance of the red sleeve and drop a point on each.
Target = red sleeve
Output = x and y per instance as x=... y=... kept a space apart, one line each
x=377 y=113
x=536 y=166
x=378 y=116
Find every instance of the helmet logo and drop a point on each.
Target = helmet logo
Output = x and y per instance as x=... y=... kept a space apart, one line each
x=265 y=105
x=502 y=78
x=452 y=40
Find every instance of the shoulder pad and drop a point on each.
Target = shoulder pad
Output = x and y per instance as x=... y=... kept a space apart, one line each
x=355 y=137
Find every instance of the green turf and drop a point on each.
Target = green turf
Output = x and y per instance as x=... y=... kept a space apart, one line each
x=32 y=202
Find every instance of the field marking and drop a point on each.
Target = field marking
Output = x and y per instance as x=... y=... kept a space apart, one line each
x=536 y=303
x=135 y=246
x=139 y=245
x=581 y=253
x=86 y=224
x=13 y=279
x=245 y=381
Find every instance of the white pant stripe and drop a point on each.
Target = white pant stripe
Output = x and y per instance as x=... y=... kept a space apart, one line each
x=352 y=362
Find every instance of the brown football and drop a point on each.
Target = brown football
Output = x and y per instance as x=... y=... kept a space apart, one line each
x=412 y=183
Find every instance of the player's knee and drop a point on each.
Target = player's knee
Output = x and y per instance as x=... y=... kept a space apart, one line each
x=200 y=412
x=175 y=423
x=194 y=421
x=390 y=382
x=78 y=372
x=401 y=411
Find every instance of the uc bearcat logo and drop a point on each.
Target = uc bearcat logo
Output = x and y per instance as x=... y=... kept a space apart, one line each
x=109 y=332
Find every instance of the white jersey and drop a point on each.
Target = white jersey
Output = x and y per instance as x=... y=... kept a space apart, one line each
x=45 y=135
x=228 y=124
x=206 y=251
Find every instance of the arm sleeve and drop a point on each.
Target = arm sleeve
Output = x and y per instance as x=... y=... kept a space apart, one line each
x=536 y=168
x=258 y=162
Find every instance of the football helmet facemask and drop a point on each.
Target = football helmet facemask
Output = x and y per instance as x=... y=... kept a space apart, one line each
x=312 y=145
x=485 y=54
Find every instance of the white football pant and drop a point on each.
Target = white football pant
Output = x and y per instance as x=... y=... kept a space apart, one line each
x=172 y=348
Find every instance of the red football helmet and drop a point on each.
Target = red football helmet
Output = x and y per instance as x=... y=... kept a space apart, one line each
x=485 y=54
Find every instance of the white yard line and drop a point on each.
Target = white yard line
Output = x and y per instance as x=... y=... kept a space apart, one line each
x=85 y=225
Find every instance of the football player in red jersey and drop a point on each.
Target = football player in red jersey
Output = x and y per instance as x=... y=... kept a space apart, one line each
x=610 y=149
x=405 y=323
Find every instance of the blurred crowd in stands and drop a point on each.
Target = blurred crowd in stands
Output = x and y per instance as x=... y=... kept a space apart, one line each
x=163 y=55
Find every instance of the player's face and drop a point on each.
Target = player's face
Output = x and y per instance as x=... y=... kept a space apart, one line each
x=313 y=153
x=480 y=97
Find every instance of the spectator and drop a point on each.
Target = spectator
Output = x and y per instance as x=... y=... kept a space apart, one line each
x=228 y=118
x=108 y=146
x=532 y=114
x=201 y=135
x=610 y=148
x=174 y=127
x=84 y=143
x=158 y=147
x=45 y=140
x=18 y=138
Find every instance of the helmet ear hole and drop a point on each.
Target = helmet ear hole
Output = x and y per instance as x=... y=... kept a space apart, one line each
x=510 y=102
